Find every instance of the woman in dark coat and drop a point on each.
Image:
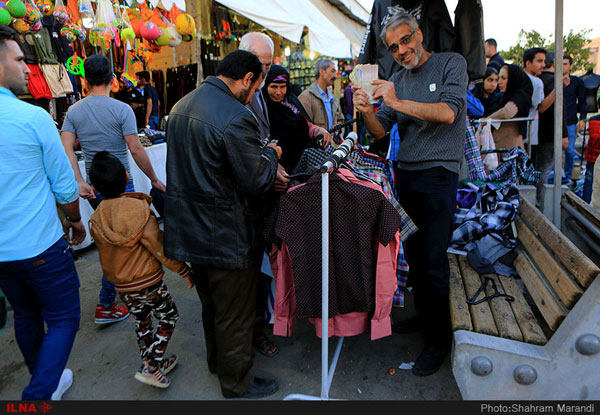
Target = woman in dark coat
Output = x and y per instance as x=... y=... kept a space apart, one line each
x=290 y=124
x=516 y=102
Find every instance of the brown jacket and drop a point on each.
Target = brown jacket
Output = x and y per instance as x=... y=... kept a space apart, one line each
x=130 y=243
x=315 y=107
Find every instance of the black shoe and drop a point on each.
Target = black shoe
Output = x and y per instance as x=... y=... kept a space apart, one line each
x=408 y=326
x=261 y=388
x=429 y=361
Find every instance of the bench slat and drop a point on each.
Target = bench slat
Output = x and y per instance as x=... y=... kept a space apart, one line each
x=547 y=303
x=459 y=310
x=502 y=312
x=572 y=258
x=530 y=328
x=483 y=321
x=567 y=290
x=589 y=212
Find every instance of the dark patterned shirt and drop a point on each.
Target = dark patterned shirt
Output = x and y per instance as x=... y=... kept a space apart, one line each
x=359 y=217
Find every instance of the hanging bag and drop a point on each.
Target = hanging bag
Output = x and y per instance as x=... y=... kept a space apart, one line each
x=486 y=142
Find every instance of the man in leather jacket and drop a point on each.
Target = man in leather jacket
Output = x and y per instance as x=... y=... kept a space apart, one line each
x=217 y=172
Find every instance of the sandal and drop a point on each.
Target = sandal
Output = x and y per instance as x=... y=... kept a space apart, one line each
x=265 y=345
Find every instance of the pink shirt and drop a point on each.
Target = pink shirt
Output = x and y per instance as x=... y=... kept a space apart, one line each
x=349 y=324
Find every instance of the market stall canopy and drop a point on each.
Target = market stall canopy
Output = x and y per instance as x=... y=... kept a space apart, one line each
x=330 y=32
x=353 y=8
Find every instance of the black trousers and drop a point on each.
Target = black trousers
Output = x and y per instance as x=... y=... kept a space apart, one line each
x=228 y=314
x=429 y=198
x=262 y=293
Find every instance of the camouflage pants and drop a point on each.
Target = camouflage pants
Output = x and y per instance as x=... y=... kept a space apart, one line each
x=143 y=304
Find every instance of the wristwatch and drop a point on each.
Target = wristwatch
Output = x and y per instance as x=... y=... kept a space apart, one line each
x=72 y=220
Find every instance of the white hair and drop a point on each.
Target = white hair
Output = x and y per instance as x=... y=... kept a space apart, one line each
x=249 y=40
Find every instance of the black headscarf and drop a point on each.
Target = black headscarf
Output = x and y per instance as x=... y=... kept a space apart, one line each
x=288 y=121
x=519 y=90
x=492 y=102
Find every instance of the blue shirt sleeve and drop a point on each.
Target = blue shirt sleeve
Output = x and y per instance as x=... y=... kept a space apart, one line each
x=56 y=163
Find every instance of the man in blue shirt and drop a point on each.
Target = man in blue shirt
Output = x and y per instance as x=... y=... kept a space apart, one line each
x=37 y=272
x=574 y=95
x=318 y=101
x=151 y=99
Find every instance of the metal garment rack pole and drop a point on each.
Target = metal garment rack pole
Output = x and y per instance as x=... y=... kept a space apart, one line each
x=529 y=126
x=331 y=164
x=558 y=110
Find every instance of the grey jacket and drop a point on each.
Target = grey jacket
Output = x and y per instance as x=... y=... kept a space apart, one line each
x=262 y=118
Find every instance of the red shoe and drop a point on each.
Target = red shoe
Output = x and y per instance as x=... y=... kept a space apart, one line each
x=112 y=314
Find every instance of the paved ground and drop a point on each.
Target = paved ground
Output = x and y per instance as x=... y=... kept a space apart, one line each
x=104 y=358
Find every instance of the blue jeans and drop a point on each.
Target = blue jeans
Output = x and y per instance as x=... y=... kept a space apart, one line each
x=588 y=182
x=570 y=151
x=154 y=121
x=41 y=289
x=107 y=292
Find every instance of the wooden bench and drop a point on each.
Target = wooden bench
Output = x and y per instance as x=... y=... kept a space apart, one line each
x=546 y=343
x=581 y=223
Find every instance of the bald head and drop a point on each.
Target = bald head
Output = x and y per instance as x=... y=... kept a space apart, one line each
x=262 y=46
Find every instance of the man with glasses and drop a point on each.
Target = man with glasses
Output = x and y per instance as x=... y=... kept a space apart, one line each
x=426 y=98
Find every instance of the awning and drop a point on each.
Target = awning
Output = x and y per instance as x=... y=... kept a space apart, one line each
x=352 y=8
x=330 y=32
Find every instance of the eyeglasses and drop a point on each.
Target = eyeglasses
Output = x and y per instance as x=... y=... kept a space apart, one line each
x=404 y=40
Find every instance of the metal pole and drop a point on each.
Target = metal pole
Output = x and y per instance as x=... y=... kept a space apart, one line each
x=325 y=285
x=558 y=110
x=530 y=138
x=336 y=356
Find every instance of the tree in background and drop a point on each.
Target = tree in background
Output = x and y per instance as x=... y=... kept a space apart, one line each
x=573 y=44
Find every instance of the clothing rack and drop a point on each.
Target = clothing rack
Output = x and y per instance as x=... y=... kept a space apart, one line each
x=337 y=129
x=331 y=164
x=529 y=126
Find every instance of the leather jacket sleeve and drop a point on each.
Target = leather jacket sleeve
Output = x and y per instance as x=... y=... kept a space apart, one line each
x=253 y=166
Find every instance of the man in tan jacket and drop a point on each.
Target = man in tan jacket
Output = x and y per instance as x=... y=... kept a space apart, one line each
x=318 y=101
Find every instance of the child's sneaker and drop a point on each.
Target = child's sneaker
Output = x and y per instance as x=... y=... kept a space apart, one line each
x=151 y=377
x=112 y=314
x=168 y=363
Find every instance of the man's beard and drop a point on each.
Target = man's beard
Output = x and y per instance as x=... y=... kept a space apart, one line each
x=418 y=55
x=243 y=95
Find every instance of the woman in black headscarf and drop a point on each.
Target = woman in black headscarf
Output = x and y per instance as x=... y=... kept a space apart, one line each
x=290 y=124
x=516 y=102
x=487 y=92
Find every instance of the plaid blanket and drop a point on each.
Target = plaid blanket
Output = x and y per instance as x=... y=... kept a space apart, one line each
x=494 y=210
